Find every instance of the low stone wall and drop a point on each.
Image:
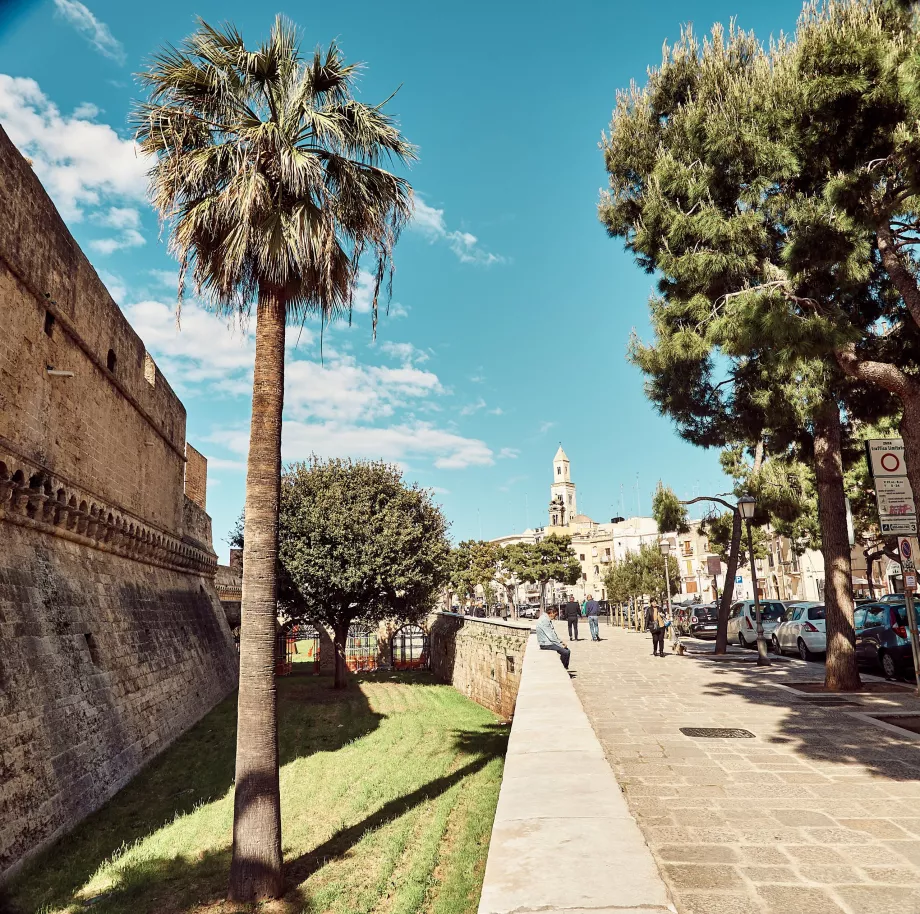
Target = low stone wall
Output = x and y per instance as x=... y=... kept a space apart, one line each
x=481 y=658
x=563 y=839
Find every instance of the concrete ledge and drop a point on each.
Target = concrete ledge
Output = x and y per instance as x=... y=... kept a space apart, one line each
x=563 y=838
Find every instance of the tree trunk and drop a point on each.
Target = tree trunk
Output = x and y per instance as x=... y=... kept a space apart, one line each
x=728 y=589
x=255 y=870
x=340 y=639
x=841 y=671
x=910 y=433
x=542 y=597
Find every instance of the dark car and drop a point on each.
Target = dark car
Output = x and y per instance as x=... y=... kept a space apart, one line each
x=703 y=620
x=882 y=638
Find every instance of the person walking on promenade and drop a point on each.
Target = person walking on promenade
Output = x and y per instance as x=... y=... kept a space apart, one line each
x=548 y=639
x=654 y=622
x=570 y=611
x=591 y=611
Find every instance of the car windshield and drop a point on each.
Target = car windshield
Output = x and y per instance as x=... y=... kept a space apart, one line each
x=772 y=612
x=815 y=613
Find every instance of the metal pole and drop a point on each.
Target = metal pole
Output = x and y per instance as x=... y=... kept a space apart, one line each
x=762 y=658
x=667 y=602
x=914 y=646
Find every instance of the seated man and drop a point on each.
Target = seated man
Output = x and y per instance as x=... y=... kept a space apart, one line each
x=547 y=637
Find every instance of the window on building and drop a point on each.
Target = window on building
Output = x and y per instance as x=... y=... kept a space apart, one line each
x=686 y=547
x=795 y=562
x=110 y=361
x=584 y=576
x=689 y=567
x=581 y=557
x=770 y=559
x=607 y=553
x=597 y=571
x=49 y=324
x=558 y=471
x=691 y=586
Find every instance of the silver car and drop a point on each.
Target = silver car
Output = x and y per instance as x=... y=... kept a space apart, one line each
x=803 y=631
x=742 y=621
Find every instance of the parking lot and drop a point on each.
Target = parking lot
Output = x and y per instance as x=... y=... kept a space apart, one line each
x=815 y=809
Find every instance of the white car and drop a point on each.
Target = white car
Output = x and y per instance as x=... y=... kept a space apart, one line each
x=803 y=632
x=742 y=621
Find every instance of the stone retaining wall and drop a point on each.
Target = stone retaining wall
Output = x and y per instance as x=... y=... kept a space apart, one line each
x=481 y=658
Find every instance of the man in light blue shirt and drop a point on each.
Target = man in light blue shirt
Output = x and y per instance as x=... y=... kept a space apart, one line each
x=547 y=637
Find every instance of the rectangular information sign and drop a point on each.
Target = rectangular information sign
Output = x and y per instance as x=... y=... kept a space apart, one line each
x=886 y=457
x=902 y=526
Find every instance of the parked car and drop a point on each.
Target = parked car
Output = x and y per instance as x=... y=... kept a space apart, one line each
x=803 y=631
x=703 y=621
x=742 y=621
x=883 y=639
x=892 y=598
x=528 y=610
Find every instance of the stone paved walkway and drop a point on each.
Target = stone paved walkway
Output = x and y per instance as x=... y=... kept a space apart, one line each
x=818 y=814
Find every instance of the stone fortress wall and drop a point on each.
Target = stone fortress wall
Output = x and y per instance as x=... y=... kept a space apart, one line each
x=112 y=639
x=481 y=658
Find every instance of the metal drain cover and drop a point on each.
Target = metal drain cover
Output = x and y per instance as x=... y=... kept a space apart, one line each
x=716 y=733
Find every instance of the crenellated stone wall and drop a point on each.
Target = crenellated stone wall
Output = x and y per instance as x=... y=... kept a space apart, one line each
x=112 y=639
x=482 y=658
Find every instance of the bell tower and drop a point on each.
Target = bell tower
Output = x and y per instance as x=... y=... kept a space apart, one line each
x=562 y=491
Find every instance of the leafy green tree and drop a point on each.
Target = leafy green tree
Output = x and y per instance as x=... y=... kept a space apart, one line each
x=267 y=174
x=550 y=559
x=702 y=191
x=474 y=563
x=359 y=544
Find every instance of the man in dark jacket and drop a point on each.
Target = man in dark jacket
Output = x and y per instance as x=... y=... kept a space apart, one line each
x=571 y=611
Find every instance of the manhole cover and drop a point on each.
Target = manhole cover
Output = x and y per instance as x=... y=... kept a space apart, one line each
x=716 y=733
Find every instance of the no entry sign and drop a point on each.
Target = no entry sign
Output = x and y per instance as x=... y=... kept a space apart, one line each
x=886 y=457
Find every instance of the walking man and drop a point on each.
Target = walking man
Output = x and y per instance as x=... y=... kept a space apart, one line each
x=654 y=622
x=591 y=611
x=570 y=611
x=548 y=639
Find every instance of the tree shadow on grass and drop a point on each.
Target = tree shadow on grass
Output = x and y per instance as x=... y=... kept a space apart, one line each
x=479 y=746
x=821 y=732
x=170 y=885
x=195 y=770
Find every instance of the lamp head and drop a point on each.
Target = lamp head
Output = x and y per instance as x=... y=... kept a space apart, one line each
x=664 y=547
x=746 y=505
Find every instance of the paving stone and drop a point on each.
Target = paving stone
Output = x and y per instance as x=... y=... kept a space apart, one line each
x=788 y=899
x=708 y=853
x=802 y=817
x=871 y=899
x=700 y=876
x=719 y=903
x=769 y=874
x=878 y=828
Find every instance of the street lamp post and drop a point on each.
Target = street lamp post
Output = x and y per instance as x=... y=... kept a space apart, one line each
x=746 y=506
x=664 y=547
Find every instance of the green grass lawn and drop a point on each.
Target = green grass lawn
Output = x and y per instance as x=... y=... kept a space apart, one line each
x=388 y=793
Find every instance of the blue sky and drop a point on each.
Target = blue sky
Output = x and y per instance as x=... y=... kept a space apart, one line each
x=512 y=309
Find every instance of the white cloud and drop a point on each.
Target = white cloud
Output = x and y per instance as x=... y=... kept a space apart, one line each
x=405 y=352
x=545 y=427
x=125 y=218
x=430 y=222
x=95 y=32
x=471 y=408
x=114 y=283
x=82 y=164
x=448 y=450
x=509 y=453
x=438 y=490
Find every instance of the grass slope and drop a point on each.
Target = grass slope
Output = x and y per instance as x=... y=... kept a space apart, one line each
x=388 y=793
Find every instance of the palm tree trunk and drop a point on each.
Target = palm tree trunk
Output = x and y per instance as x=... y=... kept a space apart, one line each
x=728 y=589
x=841 y=671
x=256 y=868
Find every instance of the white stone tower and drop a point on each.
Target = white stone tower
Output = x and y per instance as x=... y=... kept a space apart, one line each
x=563 y=488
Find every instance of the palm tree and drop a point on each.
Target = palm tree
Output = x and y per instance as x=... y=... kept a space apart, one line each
x=268 y=176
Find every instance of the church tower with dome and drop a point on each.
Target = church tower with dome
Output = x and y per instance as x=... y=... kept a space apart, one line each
x=563 y=505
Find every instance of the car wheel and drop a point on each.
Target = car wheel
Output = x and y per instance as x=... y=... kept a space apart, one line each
x=774 y=645
x=804 y=653
x=741 y=640
x=889 y=667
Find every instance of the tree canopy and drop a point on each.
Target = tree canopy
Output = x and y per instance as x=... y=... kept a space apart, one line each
x=359 y=543
x=550 y=559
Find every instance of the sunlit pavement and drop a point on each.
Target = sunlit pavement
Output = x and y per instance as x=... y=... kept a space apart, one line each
x=818 y=813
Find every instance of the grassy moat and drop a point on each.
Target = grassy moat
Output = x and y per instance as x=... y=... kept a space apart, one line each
x=388 y=792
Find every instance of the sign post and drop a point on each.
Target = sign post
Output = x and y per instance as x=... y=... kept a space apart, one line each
x=910 y=587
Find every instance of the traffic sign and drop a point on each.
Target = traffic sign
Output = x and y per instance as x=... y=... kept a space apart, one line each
x=886 y=457
x=910 y=582
x=903 y=526
x=906 y=549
